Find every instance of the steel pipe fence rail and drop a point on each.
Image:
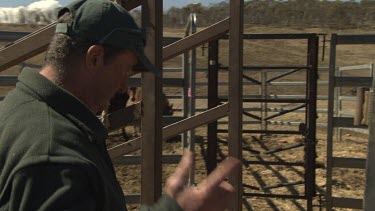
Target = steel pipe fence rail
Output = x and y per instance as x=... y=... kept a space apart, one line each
x=340 y=98
x=245 y=69
x=10 y=80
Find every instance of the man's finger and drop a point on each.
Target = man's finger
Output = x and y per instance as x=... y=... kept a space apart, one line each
x=228 y=167
x=222 y=191
x=183 y=169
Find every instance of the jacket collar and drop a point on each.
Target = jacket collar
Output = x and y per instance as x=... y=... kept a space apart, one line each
x=62 y=102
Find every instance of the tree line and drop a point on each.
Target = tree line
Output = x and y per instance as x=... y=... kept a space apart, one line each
x=300 y=13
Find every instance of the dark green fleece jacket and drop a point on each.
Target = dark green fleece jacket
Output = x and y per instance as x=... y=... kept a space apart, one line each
x=53 y=154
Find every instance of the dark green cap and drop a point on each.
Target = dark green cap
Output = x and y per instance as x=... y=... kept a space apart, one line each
x=106 y=23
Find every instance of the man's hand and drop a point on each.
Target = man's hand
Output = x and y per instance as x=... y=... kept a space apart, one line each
x=211 y=194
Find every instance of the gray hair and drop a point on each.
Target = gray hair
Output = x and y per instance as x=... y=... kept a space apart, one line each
x=64 y=52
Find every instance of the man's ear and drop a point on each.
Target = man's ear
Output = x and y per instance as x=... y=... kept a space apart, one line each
x=95 y=58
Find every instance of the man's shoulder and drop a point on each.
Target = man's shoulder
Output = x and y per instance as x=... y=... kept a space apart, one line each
x=34 y=133
x=24 y=115
x=33 y=122
x=17 y=102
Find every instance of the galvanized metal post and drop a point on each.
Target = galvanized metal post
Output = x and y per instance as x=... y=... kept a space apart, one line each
x=192 y=93
x=338 y=105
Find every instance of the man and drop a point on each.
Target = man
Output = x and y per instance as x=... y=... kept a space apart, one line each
x=52 y=146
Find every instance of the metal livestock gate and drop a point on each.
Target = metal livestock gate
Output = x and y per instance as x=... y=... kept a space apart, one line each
x=153 y=133
x=307 y=129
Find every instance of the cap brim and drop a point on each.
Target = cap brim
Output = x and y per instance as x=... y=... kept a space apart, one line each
x=144 y=64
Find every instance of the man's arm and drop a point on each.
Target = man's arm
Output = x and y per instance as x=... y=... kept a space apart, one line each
x=52 y=187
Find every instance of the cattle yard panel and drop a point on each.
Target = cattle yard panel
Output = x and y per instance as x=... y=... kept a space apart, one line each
x=308 y=101
x=173 y=129
x=341 y=97
x=182 y=82
x=335 y=120
x=205 y=35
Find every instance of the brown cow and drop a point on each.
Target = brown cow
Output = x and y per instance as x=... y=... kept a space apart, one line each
x=123 y=98
x=117 y=102
x=136 y=96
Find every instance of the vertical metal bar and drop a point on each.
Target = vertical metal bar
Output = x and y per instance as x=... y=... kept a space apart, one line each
x=324 y=47
x=213 y=68
x=338 y=105
x=311 y=115
x=151 y=97
x=193 y=64
x=264 y=95
x=359 y=106
x=185 y=94
x=369 y=198
x=235 y=96
x=331 y=99
x=262 y=106
x=186 y=89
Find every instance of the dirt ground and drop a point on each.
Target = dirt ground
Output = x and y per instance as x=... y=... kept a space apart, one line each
x=347 y=183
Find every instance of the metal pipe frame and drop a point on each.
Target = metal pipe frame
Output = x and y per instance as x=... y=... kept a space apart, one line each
x=272 y=36
x=282 y=75
x=332 y=161
x=285 y=112
x=192 y=91
x=213 y=64
x=308 y=101
x=311 y=116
